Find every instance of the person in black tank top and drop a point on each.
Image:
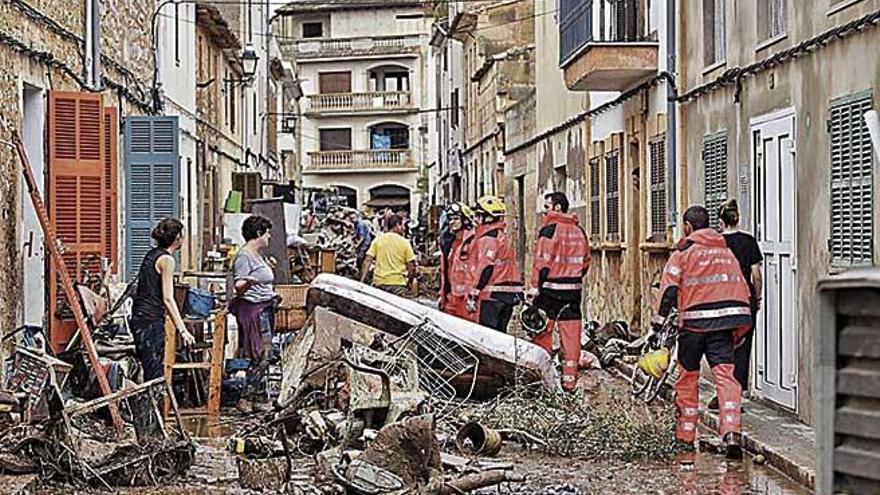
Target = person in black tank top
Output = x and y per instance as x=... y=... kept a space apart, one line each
x=154 y=299
x=747 y=252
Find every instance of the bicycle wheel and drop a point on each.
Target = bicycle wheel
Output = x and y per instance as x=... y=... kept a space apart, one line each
x=638 y=381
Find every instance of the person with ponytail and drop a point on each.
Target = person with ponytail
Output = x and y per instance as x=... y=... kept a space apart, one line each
x=747 y=252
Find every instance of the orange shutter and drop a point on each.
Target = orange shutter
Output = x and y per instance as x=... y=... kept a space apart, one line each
x=111 y=167
x=76 y=197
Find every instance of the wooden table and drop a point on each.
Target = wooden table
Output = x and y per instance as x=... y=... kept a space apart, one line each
x=217 y=324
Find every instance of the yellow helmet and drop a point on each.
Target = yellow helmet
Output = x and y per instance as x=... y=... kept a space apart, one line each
x=491 y=205
x=462 y=209
x=655 y=363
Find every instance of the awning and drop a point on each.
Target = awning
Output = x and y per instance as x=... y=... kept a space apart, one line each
x=387 y=201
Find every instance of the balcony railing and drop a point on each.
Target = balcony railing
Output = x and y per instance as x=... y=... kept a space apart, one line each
x=340 y=102
x=599 y=21
x=360 y=160
x=341 y=47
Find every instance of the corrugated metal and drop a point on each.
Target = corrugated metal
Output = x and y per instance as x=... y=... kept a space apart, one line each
x=152 y=168
x=715 y=173
x=852 y=188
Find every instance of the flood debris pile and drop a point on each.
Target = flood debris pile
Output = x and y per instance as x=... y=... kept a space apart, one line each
x=73 y=443
x=577 y=425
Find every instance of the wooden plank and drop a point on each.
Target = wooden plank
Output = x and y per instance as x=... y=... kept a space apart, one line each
x=858 y=382
x=857 y=462
x=169 y=360
x=857 y=422
x=191 y=366
x=217 y=360
x=94 y=405
x=860 y=341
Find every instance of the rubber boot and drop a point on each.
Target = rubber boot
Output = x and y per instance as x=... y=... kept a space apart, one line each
x=570 y=340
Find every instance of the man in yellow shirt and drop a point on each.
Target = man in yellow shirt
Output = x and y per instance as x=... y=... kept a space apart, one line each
x=394 y=258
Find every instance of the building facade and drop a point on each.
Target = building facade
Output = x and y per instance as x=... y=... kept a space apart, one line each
x=367 y=99
x=787 y=138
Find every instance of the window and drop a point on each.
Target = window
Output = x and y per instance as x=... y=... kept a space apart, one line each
x=254 y=112
x=715 y=173
x=595 y=194
x=772 y=18
x=455 y=110
x=714 y=31
x=657 y=149
x=312 y=30
x=334 y=139
x=334 y=82
x=250 y=184
x=852 y=191
x=612 y=195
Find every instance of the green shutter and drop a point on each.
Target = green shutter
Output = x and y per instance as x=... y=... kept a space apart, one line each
x=594 y=199
x=852 y=189
x=612 y=195
x=152 y=169
x=658 y=188
x=715 y=173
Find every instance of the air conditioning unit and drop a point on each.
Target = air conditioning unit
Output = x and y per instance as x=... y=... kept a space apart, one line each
x=847 y=383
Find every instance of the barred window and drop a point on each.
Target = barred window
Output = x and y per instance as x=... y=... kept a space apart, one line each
x=612 y=195
x=852 y=191
x=595 y=201
x=715 y=173
x=657 y=148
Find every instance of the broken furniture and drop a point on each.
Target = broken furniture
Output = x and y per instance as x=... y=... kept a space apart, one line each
x=33 y=377
x=291 y=314
x=213 y=332
x=502 y=357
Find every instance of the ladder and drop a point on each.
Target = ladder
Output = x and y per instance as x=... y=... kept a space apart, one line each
x=52 y=245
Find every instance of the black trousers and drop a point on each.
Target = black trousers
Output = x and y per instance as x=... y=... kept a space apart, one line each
x=716 y=346
x=742 y=359
x=495 y=314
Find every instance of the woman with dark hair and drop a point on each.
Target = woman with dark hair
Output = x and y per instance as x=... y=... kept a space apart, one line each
x=253 y=305
x=747 y=252
x=154 y=299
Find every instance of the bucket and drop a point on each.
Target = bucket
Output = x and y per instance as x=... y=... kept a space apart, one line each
x=199 y=303
x=474 y=438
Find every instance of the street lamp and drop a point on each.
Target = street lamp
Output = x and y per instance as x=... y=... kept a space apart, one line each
x=289 y=123
x=249 y=59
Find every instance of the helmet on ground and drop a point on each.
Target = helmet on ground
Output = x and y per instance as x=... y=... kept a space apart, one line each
x=655 y=363
x=534 y=321
x=491 y=205
x=462 y=210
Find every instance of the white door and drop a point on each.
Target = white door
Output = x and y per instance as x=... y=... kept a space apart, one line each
x=31 y=247
x=775 y=373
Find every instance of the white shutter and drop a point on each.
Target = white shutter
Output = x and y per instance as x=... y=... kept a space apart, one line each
x=852 y=192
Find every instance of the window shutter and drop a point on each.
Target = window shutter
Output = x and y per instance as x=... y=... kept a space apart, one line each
x=594 y=199
x=76 y=197
x=612 y=195
x=111 y=208
x=852 y=192
x=152 y=167
x=715 y=174
x=658 y=188
x=250 y=184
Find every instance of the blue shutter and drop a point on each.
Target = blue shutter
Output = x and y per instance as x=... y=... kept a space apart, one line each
x=152 y=178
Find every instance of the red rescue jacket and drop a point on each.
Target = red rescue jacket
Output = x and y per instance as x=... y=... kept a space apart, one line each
x=462 y=277
x=495 y=271
x=562 y=257
x=704 y=280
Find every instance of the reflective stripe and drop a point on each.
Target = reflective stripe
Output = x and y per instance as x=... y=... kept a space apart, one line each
x=730 y=405
x=568 y=260
x=730 y=419
x=718 y=278
x=674 y=270
x=559 y=286
x=690 y=411
x=716 y=313
x=515 y=289
x=568 y=378
x=570 y=364
x=687 y=426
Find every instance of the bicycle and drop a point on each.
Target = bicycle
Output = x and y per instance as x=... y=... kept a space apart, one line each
x=667 y=336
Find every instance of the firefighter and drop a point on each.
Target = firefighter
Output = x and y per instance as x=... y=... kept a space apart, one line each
x=562 y=257
x=703 y=280
x=493 y=261
x=459 y=225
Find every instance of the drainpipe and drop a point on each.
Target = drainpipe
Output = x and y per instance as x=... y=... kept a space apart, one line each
x=671 y=120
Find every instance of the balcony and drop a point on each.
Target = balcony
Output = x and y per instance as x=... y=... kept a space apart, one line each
x=378 y=101
x=360 y=161
x=351 y=47
x=605 y=45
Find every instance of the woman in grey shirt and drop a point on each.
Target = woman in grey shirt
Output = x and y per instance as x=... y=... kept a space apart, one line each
x=253 y=304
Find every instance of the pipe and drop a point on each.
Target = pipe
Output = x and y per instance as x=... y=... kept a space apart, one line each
x=671 y=120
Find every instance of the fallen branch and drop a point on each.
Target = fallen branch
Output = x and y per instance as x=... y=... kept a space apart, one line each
x=472 y=482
